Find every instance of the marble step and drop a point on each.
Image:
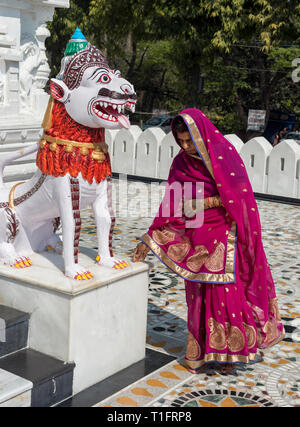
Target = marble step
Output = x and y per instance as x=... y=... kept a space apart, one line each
x=13 y=330
x=15 y=391
x=52 y=379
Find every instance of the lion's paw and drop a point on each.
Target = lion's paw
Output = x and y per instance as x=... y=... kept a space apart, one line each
x=22 y=262
x=84 y=276
x=112 y=262
x=9 y=256
x=78 y=273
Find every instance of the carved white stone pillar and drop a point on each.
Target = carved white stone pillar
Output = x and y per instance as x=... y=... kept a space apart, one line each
x=39 y=98
x=24 y=70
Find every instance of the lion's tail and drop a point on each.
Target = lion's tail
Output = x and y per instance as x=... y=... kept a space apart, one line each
x=7 y=159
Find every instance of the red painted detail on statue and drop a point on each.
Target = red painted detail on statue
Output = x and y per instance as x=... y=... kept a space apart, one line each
x=56 y=223
x=90 y=57
x=12 y=225
x=64 y=127
x=61 y=162
x=112 y=215
x=74 y=184
x=56 y=91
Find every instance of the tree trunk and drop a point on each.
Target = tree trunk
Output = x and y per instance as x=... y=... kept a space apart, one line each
x=133 y=59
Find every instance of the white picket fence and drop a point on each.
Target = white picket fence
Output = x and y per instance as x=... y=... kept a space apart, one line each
x=149 y=153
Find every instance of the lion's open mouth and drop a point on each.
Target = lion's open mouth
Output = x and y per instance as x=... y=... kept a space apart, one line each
x=113 y=112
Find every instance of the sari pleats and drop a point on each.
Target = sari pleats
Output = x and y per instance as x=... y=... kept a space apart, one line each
x=222 y=325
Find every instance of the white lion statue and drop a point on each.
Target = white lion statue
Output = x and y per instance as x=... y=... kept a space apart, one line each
x=73 y=165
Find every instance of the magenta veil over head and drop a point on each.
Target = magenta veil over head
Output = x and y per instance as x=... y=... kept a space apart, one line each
x=229 y=173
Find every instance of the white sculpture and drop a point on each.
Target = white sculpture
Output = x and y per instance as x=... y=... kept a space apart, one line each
x=29 y=64
x=74 y=166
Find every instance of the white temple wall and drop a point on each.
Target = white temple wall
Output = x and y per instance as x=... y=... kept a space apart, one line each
x=24 y=72
x=24 y=69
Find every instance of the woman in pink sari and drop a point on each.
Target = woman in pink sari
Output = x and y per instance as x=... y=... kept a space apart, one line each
x=208 y=231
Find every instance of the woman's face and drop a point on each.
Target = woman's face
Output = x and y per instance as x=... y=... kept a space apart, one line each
x=186 y=143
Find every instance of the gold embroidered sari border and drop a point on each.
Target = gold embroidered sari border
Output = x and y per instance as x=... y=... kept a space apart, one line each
x=227 y=277
x=276 y=341
x=199 y=142
x=220 y=357
x=229 y=358
x=231 y=248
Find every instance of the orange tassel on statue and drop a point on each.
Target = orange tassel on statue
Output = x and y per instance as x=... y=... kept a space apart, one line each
x=68 y=147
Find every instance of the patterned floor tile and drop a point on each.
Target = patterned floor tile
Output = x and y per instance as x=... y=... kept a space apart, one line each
x=150 y=388
x=275 y=381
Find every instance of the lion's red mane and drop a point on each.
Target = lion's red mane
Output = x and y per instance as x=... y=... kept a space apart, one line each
x=60 y=162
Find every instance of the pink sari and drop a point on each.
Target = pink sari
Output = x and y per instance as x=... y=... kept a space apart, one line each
x=217 y=249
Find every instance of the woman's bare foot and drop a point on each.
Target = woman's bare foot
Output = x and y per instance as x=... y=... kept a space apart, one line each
x=227 y=368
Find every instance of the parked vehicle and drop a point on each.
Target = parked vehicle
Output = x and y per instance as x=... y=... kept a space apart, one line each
x=293 y=135
x=164 y=122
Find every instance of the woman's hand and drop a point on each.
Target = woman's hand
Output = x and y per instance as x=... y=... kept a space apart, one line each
x=140 y=252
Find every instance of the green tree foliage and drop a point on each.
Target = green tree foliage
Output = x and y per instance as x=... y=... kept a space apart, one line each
x=61 y=28
x=242 y=49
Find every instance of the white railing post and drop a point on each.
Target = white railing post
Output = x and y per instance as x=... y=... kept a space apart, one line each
x=148 y=152
x=110 y=136
x=235 y=141
x=124 y=150
x=255 y=155
x=283 y=163
x=169 y=149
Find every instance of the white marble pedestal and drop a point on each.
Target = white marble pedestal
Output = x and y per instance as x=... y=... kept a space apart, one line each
x=100 y=324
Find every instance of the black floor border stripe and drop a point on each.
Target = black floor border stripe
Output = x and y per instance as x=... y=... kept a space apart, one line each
x=106 y=388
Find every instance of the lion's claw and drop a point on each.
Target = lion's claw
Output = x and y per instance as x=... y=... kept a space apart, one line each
x=23 y=262
x=84 y=276
x=120 y=265
x=112 y=262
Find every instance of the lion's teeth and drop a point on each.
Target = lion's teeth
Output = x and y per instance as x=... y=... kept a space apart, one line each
x=119 y=108
x=114 y=106
x=105 y=104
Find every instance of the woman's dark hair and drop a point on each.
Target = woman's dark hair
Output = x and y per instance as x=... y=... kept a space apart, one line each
x=179 y=125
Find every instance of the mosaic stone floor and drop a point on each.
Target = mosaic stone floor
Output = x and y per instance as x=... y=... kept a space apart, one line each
x=274 y=381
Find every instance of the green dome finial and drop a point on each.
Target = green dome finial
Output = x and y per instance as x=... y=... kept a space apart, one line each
x=78 y=42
